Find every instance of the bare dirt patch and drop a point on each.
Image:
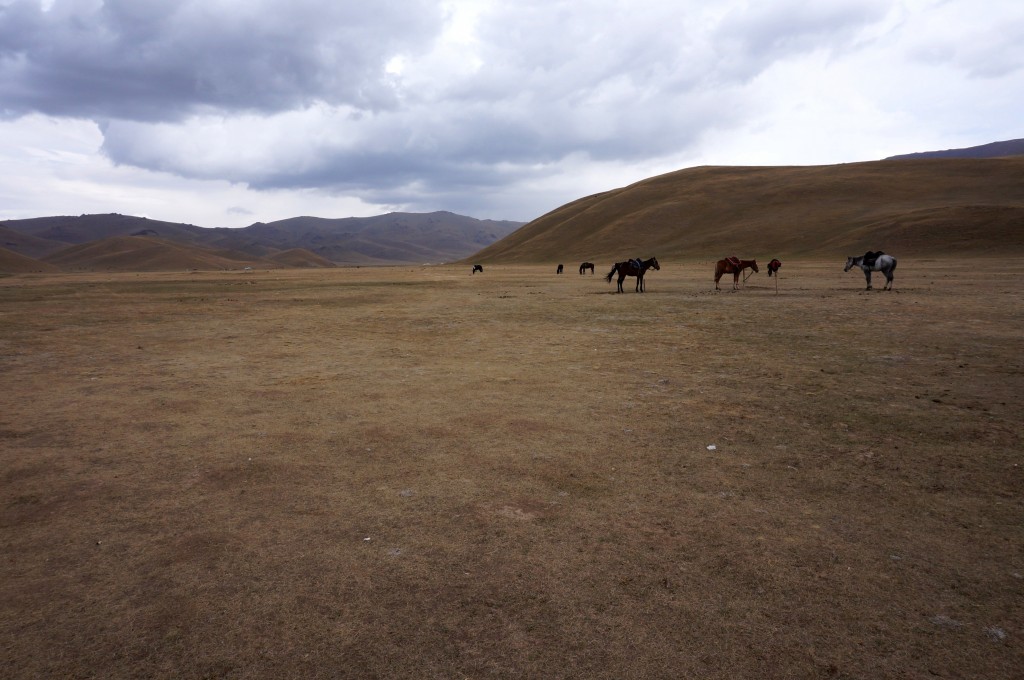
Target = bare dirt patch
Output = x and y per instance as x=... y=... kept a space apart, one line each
x=415 y=472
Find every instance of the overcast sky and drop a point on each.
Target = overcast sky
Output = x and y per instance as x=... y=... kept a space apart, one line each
x=227 y=112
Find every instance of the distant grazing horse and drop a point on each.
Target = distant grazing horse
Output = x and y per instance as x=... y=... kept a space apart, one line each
x=873 y=262
x=633 y=268
x=734 y=266
x=587 y=265
x=773 y=267
x=559 y=269
x=478 y=268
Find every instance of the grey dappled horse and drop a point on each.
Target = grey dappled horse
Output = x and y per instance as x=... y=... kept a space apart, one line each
x=883 y=263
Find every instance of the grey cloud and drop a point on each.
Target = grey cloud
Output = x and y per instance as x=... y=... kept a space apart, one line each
x=598 y=85
x=754 y=37
x=165 y=60
x=431 y=148
x=992 y=55
x=295 y=95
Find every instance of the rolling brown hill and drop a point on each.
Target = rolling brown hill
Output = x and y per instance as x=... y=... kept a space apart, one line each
x=908 y=207
x=28 y=245
x=16 y=263
x=146 y=253
x=300 y=257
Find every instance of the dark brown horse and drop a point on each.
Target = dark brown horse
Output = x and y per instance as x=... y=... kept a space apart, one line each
x=734 y=266
x=478 y=268
x=633 y=268
x=587 y=265
x=559 y=271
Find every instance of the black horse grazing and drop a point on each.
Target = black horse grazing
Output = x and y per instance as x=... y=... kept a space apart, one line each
x=587 y=265
x=559 y=269
x=633 y=268
x=478 y=268
x=773 y=267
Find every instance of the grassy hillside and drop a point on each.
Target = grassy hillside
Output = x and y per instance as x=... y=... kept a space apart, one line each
x=28 y=245
x=145 y=253
x=915 y=207
x=300 y=257
x=15 y=263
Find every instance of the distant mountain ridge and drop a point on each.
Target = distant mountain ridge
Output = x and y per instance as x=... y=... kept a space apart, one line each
x=1011 y=147
x=394 y=238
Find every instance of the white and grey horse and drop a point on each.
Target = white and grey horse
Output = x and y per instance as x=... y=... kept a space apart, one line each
x=883 y=263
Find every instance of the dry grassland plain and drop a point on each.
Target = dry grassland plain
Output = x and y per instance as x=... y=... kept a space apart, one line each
x=414 y=472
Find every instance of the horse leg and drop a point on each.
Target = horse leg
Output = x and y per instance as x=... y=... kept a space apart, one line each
x=867 y=275
x=735 y=280
x=622 y=277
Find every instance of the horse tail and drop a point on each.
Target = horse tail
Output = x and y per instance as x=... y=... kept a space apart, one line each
x=615 y=268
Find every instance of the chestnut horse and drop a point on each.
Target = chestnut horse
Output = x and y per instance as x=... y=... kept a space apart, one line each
x=630 y=268
x=732 y=266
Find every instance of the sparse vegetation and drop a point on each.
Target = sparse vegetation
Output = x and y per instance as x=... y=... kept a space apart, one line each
x=917 y=208
x=415 y=472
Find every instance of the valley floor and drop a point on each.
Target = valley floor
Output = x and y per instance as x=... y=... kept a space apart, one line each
x=418 y=472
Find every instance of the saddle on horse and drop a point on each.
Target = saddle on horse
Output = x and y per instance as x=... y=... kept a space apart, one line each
x=871 y=256
x=734 y=261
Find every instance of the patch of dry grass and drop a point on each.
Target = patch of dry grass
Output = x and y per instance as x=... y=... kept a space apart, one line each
x=415 y=472
x=917 y=208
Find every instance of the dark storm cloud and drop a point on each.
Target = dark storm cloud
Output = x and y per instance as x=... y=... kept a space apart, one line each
x=162 y=60
x=541 y=82
x=418 y=101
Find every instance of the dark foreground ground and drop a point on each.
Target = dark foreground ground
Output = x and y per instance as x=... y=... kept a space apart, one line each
x=415 y=472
